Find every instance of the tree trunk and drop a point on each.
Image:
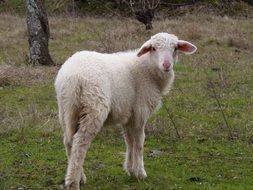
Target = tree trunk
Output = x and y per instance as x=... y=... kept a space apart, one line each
x=38 y=33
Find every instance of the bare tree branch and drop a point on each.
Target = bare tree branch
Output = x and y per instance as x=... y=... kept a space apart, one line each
x=143 y=10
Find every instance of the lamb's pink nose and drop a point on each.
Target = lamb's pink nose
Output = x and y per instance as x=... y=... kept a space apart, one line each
x=166 y=66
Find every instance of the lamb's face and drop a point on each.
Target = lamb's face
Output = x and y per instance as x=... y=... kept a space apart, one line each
x=163 y=52
x=162 y=49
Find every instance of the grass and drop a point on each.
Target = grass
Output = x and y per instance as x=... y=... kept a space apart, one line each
x=39 y=162
x=210 y=106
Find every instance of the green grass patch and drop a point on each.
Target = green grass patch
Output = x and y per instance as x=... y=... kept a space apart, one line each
x=35 y=159
x=20 y=97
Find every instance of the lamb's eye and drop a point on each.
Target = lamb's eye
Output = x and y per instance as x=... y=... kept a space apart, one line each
x=174 y=52
x=153 y=49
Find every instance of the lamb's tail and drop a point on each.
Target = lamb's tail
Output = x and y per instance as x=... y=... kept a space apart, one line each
x=68 y=104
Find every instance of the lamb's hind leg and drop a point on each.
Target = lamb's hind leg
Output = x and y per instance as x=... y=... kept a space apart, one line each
x=70 y=126
x=68 y=147
x=89 y=125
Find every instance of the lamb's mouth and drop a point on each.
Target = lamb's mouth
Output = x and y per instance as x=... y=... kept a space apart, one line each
x=167 y=70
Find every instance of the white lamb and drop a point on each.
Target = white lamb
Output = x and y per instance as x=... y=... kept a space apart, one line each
x=123 y=88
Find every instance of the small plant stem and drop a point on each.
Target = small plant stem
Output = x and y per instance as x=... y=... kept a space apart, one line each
x=220 y=108
x=172 y=121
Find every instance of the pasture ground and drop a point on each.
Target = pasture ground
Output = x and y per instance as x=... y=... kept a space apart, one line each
x=201 y=139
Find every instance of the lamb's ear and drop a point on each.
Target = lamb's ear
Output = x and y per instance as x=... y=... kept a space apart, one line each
x=186 y=47
x=145 y=48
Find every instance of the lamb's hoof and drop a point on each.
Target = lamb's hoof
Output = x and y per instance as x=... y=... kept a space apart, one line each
x=72 y=185
x=128 y=170
x=129 y=173
x=83 y=178
x=140 y=174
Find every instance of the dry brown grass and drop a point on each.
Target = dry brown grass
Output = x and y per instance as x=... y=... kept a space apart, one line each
x=12 y=30
x=13 y=75
x=72 y=34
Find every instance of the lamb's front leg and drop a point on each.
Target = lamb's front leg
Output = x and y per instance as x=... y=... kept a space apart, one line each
x=134 y=137
x=138 y=135
x=129 y=150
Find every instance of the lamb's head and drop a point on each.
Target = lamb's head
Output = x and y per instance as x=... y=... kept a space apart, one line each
x=163 y=48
